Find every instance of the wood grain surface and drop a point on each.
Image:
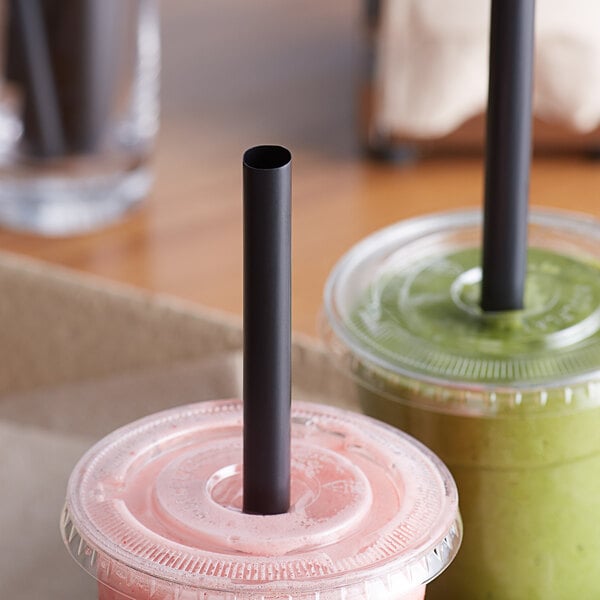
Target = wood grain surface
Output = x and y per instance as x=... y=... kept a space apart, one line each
x=236 y=74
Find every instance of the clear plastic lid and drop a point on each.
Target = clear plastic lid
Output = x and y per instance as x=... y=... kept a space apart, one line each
x=402 y=313
x=155 y=508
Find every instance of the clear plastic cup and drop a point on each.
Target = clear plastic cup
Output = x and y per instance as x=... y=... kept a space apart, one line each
x=153 y=511
x=509 y=401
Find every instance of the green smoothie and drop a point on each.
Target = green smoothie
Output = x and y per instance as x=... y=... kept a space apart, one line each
x=511 y=403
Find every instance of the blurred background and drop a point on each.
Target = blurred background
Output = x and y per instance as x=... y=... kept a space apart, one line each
x=312 y=76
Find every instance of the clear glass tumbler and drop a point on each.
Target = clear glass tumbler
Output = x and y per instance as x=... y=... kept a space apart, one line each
x=78 y=111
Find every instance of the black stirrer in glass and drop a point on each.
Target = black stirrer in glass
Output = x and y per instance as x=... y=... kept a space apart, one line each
x=44 y=129
x=267 y=330
x=64 y=54
x=508 y=155
x=85 y=45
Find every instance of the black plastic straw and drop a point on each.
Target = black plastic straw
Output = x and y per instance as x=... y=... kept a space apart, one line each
x=85 y=51
x=508 y=155
x=46 y=135
x=267 y=330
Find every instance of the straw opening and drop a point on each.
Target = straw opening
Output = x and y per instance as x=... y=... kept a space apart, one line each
x=267 y=157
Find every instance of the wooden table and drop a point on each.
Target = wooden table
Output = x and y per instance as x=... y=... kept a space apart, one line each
x=242 y=73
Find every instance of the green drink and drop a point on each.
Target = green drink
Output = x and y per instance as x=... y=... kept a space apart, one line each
x=511 y=402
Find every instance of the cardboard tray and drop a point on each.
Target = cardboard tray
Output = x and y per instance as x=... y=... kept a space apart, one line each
x=80 y=357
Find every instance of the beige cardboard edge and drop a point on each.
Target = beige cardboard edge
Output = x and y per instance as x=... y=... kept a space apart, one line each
x=80 y=356
x=61 y=327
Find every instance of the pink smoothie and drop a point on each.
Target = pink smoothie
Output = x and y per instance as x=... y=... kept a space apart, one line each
x=153 y=511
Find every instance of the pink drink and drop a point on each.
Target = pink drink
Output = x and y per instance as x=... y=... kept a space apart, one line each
x=153 y=511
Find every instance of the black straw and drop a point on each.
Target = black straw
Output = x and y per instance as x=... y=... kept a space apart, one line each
x=508 y=155
x=267 y=330
x=85 y=49
x=46 y=134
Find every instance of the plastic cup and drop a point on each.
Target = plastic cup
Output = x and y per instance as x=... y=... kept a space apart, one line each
x=509 y=401
x=153 y=511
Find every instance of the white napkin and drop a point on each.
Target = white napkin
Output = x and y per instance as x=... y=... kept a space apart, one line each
x=431 y=72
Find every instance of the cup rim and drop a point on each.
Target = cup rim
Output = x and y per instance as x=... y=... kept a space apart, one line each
x=340 y=341
x=88 y=544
